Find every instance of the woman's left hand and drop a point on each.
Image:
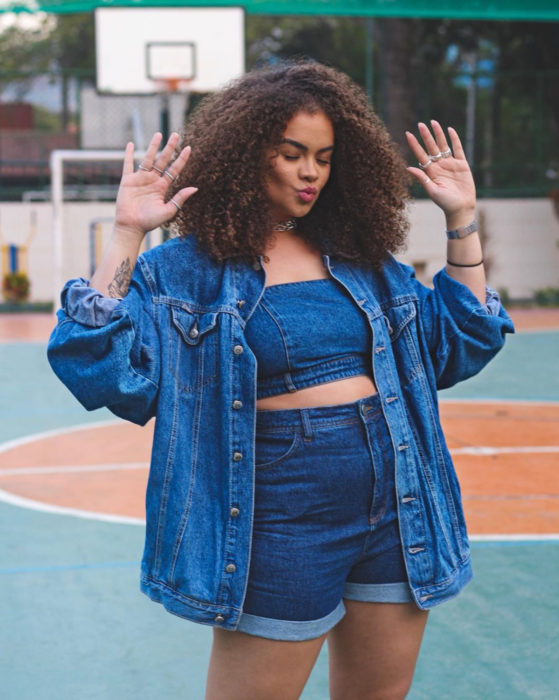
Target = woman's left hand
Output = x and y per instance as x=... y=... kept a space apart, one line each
x=447 y=177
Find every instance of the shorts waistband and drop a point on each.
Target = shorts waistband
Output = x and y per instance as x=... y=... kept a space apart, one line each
x=368 y=408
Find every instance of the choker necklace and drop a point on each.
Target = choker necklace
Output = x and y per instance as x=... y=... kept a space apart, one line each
x=288 y=225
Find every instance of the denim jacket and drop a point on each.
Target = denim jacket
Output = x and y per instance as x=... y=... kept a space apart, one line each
x=175 y=348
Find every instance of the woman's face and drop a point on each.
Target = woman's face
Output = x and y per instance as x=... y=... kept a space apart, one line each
x=300 y=165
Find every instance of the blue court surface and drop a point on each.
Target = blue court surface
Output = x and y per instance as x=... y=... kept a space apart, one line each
x=73 y=623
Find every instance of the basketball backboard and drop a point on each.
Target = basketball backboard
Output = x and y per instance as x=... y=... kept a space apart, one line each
x=138 y=49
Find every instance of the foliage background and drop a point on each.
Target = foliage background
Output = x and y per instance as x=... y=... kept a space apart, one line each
x=418 y=69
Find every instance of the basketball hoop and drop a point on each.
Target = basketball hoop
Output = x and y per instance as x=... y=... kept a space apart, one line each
x=172 y=85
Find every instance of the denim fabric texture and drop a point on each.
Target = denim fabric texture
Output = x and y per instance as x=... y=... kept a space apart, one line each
x=294 y=349
x=325 y=519
x=175 y=348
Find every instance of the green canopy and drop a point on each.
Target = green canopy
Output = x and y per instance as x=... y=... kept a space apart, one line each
x=546 y=10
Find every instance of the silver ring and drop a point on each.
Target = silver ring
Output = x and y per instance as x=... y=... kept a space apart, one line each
x=436 y=157
x=427 y=164
x=142 y=167
x=447 y=153
x=177 y=205
x=157 y=170
x=427 y=179
x=168 y=174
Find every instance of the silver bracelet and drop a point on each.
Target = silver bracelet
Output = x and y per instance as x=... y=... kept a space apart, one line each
x=462 y=231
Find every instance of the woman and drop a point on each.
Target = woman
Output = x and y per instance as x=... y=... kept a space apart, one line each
x=300 y=487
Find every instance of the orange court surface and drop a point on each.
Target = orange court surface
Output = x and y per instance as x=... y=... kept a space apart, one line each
x=505 y=452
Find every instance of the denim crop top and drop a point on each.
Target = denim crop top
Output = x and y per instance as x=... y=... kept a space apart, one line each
x=307 y=333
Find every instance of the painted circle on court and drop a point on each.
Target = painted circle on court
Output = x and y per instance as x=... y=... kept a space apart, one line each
x=506 y=455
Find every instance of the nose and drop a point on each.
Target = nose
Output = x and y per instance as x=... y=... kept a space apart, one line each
x=308 y=170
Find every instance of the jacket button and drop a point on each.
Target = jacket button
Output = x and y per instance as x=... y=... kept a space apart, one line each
x=230 y=568
x=219 y=618
x=237 y=456
x=234 y=512
x=238 y=349
x=256 y=265
x=241 y=303
x=237 y=404
x=194 y=332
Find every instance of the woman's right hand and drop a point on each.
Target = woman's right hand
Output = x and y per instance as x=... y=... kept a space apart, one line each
x=140 y=204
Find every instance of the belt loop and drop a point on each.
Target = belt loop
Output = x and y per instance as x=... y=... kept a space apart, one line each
x=307 y=429
x=289 y=382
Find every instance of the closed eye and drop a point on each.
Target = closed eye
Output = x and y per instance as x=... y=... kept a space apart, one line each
x=318 y=160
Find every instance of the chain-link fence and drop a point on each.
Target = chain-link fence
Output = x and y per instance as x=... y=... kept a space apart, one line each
x=511 y=121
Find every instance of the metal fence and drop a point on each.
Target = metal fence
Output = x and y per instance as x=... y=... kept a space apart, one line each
x=512 y=119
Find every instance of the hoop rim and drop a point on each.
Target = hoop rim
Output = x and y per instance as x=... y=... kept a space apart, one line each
x=172 y=84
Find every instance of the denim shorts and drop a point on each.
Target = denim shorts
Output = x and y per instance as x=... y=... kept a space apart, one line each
x=325 y=519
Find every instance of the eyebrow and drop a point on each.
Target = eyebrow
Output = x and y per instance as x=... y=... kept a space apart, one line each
x=302 y=147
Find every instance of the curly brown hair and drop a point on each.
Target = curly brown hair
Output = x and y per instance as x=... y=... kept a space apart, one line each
x=360 y=214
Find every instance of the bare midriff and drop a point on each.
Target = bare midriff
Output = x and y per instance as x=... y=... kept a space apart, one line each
x=340 y=391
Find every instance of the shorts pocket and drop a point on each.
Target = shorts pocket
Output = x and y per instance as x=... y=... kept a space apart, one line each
x=273 y=448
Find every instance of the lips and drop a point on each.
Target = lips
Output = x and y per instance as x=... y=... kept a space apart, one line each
x=308 y=194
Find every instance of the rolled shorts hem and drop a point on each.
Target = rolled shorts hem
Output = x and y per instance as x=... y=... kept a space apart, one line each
x=378 y=592
x=289 y=630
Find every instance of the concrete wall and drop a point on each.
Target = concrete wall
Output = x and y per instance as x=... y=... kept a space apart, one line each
x=522 y=245
x=15 y=227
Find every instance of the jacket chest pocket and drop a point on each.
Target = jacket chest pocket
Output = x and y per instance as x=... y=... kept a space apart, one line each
x=194 y=351
x=401 y=324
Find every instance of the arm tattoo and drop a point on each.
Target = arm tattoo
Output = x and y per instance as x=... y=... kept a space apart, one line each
x=121 y=281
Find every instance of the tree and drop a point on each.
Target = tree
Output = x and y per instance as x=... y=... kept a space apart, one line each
x=61 y=44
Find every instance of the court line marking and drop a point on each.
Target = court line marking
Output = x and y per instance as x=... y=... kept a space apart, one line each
x=121 y=519
x=26 y=439
x=473 y=450
x=34 y=437
x=31 y=504
x=48 y=568
x=15 y=471
x=481 y=451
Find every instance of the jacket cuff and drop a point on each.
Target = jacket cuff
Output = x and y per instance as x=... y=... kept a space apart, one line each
x=86 y=305
x=462 y=301
x=492 y=302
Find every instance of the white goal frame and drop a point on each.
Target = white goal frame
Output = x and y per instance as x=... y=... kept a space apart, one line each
x=57 y=160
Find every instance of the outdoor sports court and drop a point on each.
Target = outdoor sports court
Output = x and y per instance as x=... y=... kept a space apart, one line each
x=74 y=624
